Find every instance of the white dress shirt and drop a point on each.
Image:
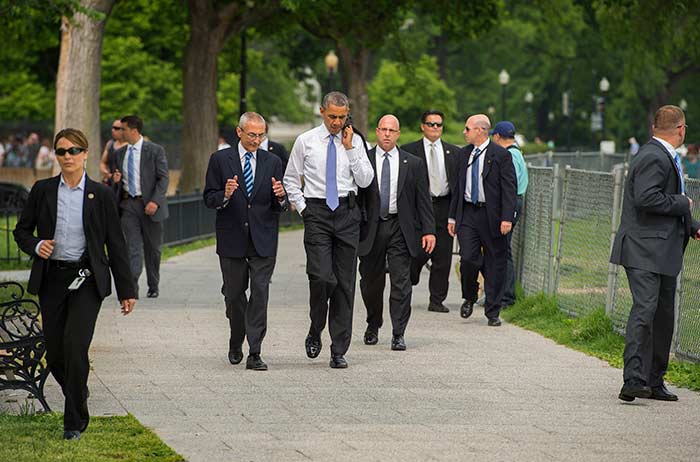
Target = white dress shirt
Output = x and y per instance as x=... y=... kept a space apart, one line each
x=393 y=175
x=441 y=187
x=308 y=161
x=69 y=235
x=671 y=151
x=137 y=166
x=468 y=187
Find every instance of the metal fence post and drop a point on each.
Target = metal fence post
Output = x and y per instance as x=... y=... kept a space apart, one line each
x=556 y=217
x=619 y=175
x=675 y=343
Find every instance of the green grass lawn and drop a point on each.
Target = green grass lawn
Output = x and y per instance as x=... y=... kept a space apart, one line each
x=31 y=438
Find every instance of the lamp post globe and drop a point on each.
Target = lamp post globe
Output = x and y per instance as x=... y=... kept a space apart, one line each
x=503 y=79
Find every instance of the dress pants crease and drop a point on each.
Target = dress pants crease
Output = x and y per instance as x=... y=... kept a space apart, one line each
x=143 y=239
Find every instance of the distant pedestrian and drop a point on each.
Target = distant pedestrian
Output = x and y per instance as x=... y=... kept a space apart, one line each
x=691 y=166
x=108 y=161
x=634 y=146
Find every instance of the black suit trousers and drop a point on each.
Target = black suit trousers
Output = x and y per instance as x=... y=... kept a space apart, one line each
x=247 y=315
x=143 y=239
x=474 y=235
x=331 y=239
x=389 y=245
x=68 y=318
x=649 y=327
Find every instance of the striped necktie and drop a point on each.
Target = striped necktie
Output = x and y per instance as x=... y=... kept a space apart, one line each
x=248 y=174
x=131 y=171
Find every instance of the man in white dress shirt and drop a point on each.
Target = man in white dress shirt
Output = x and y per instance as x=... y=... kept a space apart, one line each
x=332 y=162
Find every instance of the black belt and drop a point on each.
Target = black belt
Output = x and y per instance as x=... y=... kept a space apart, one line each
x=126 y=195
x=67 y=264
x=439 y=198
x=313 y=200
x=477 y=205
x=391 y=216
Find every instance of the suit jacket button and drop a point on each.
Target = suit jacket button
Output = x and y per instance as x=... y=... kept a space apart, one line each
x=245 y=224
x=249 y=206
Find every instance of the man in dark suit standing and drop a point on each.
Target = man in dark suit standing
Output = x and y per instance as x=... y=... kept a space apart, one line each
x=143 y=170
x=655 y=227
x=397 y=225
x=442 y=162
x=481 y=214
x=243 y=185
x=275 y=148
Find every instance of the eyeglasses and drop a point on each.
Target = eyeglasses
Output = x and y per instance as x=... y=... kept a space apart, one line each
x=683 y=125
x=387 y=130
x=433 y=124
x=253 y=136
x=117 y=128
x=74 y=151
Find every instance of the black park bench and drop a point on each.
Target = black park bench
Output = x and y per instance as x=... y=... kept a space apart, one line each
x=22 y=346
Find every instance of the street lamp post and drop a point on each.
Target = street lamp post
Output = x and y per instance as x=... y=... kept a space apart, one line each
x=604 y=86
x=242 y=83
x=503 y=79
x=529 y=98
x=331 y=62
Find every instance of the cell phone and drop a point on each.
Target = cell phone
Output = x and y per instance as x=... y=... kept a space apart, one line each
x=348 y=122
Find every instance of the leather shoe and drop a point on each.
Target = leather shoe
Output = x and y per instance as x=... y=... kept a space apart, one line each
x=338 y=362
x=255 y=363
x=662 y=394
x=494 y=322
x=438 y=308
x=371 y=337
x=630 y=391
x=313 y=346
x=71 y=435
x=235 y=356
x=467 y=309
x=152 y=293
x=398 y=343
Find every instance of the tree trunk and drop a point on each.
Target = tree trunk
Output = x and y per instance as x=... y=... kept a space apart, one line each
x=79 y=77
x=356 y=65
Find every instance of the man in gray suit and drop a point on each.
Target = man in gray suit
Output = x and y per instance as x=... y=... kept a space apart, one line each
x=143 y=170
x=654 y=230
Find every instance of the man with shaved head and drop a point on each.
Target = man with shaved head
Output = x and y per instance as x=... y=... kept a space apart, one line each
x=397 y=226
x=655 y=227
x=481 y=215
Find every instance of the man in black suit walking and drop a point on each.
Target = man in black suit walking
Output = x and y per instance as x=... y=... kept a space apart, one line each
x=244 y=185
x=481 y=214
x=442 y=162
x=655 y=227
x=143 y=171
x=397 y=224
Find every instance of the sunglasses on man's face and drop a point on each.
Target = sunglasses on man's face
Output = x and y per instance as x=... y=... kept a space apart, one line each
x=74 y=151
x=434 y=124
x=117 y=128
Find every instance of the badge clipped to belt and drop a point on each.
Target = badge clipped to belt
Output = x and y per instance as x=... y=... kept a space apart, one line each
x=77 y=282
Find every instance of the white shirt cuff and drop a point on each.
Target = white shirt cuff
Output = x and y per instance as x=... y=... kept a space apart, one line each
x=451 y=221
x=36 y=249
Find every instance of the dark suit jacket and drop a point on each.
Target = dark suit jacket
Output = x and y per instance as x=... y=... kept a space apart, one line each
x=656 y=222
x=415 y=211
x=259 y=216
x=154 y=176
x=101 y=226
x=280 y=151
x=450 y=154
x=500 y=186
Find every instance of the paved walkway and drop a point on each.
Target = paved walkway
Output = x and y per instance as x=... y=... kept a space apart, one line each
x=462 y=391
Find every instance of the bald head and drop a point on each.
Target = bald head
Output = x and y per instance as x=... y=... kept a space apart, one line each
x=388 y=131
x=476 y=129
x=669 y=125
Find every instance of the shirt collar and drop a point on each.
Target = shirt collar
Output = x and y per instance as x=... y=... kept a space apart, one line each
x=81 y=184
x=482 y=146
x=380 y=151
x=138 y=145
x=325 y=134
x=667 y=145
x=427 y=142
x=242 y=151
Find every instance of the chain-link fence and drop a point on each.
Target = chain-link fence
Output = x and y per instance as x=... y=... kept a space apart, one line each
x=562 y=246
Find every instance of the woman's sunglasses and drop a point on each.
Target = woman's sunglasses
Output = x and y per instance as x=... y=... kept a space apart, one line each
x=75 y=150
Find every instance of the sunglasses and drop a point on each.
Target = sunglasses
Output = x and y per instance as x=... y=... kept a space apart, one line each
x=434 y=124
x=117 y=128
x=75 y=150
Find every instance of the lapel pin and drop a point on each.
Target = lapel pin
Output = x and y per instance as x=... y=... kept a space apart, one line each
x=405 y=161
x=447 y=152
x=91 y=196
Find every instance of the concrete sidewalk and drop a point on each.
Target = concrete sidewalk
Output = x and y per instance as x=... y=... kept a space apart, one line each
x=462 y=391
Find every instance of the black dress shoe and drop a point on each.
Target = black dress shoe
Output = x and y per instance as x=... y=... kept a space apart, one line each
x=371 y=337
x=630 y=391
x=71 y=435
x=255 y=363
x=235 y=356
x=662 y=394
x=438 y=308
x=338 y=362
x=494 y=322
x=152 y=293
x=467 y=309
x=313 y=346
x=398 y=343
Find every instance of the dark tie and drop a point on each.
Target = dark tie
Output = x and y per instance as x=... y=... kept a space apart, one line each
x=475 y=176
x=248 y=174
x=385 y=188
x=331 y=180
x=131 y=171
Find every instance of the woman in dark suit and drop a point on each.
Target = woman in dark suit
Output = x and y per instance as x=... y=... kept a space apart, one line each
x=75 y=218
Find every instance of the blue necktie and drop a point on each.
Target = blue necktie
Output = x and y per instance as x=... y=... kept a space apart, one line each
x=131 y=171
x=385 y=188
x=475 y=176
x=248 y=174
x=677 y=160
x=331 y=180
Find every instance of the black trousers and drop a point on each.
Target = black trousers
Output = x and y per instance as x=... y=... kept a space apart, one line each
x=474 y=235
x=389 y=245
x=331 y=240
x=143 y=238
x=68 y=319
x=441 y=258
x=649 y=327
x=509 y=292
x=247 y=316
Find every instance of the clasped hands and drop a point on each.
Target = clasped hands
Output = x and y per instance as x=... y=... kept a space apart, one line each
x=232 y=185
